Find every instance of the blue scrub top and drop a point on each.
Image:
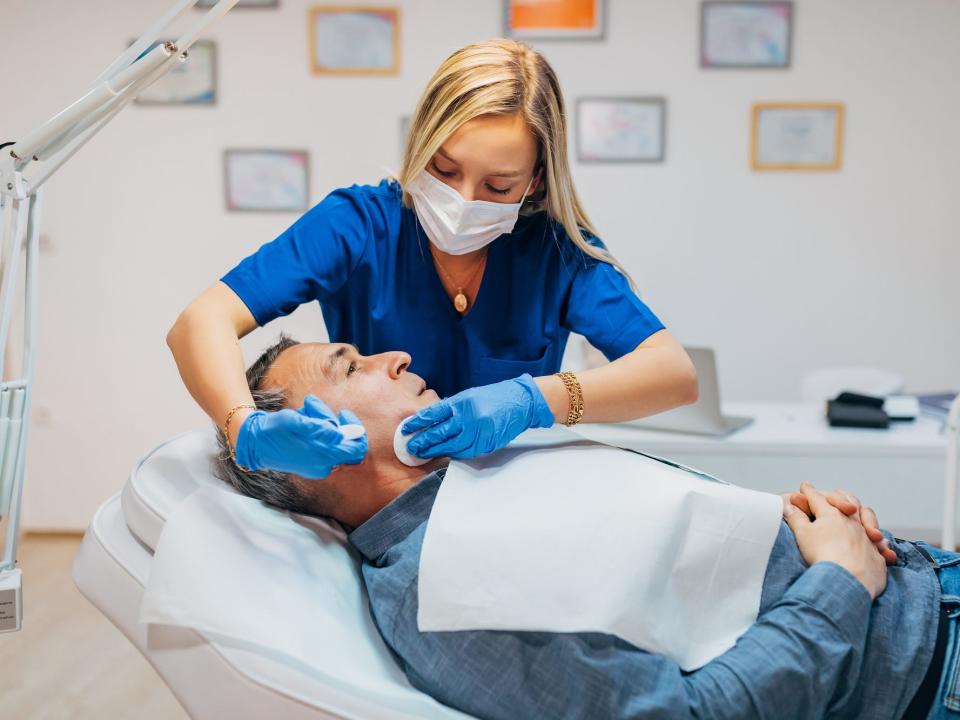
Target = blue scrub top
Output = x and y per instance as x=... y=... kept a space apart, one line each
x=365 y=258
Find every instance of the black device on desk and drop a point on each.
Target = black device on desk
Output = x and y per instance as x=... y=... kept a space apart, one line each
x=858 y=411
x=850 y=409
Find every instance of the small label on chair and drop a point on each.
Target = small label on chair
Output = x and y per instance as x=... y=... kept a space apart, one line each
x=9 y=610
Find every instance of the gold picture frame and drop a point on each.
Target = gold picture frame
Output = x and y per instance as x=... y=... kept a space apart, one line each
x=369 y=58
x=794 y=136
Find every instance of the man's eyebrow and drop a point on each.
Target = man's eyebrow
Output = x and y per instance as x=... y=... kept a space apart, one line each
x=333 y=359
x=504 y=174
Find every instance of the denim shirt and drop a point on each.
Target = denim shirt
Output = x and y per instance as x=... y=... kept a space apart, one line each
x=819 y=648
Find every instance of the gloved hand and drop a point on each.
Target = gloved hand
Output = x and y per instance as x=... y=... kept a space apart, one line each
x=306 y=442
x=479 y=420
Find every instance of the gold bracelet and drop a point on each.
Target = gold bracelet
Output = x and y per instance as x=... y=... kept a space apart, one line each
x=226 y=432
x=575 y=397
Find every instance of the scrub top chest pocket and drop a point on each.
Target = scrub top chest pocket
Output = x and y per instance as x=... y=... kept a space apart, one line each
x=488 y=369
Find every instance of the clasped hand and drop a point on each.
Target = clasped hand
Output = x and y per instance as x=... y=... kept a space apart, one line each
x=835 y=527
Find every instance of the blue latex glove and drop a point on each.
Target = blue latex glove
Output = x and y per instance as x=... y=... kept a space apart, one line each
x=306 y=442
x=479 y=420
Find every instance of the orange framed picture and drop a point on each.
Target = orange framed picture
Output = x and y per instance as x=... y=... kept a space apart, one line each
x=797 y=136
x=554 y=19
x=354 y=40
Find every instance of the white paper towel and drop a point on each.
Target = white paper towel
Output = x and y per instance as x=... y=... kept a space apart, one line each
x=582 y=537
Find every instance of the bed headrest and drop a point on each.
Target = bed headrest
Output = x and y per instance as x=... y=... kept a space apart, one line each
x=265 y=582
x=164 y=478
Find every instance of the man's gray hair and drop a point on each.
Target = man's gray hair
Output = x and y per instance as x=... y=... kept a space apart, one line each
x=274 y=488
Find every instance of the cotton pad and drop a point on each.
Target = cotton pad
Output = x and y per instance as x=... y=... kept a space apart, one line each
x=400 y=447
x=352 y=432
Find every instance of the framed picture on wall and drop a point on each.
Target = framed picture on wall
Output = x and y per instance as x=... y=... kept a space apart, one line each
x=241 y=3
x=621 y=129
x=554 y=19
x=266 y=180
x=745 y=34
x=797 y=136
x=354 y=40
x=193 y=82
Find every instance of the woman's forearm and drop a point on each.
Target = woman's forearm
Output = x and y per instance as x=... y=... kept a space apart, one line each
x=656 y=376
x=205 y=341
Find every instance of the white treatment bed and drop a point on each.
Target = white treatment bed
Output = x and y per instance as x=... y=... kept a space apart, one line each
x=215 y=677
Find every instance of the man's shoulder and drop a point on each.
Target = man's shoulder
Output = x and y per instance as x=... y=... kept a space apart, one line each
x=406 y=550
x=391 y=583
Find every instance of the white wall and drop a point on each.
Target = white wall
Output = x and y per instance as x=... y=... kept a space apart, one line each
x=781 y=272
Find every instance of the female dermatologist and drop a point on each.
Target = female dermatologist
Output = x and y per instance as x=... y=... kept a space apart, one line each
x=478 y=261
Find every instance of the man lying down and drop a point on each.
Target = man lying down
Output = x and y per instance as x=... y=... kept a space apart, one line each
x=839 y=633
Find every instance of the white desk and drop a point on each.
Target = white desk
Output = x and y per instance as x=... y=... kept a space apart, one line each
x=899 y=472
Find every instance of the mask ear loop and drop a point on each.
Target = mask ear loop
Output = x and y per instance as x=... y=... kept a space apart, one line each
x=533 y=177
x=526 y=190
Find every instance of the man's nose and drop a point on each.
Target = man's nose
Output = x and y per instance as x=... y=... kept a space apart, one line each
x=397 y=363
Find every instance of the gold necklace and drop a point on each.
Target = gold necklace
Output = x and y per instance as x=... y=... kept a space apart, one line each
x=460 y=299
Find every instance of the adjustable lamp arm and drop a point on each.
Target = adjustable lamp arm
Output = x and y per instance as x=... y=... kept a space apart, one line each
x=46 y=149
x=61 y=136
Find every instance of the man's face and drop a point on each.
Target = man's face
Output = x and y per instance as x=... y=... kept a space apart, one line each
x=377 y=388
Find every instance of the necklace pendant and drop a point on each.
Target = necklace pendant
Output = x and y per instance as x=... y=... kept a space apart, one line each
x=460 y=301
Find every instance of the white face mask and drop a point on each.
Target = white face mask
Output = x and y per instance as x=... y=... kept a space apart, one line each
x=457 y=226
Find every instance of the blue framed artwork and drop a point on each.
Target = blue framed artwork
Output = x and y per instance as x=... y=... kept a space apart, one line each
x=266 y=180
x=193 y=82
x=621 y=129
x=745 y=34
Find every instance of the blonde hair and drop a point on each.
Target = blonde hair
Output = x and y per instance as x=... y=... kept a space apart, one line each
x=503 y=77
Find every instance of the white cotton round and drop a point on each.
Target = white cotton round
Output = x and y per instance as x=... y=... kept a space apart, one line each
x=352 y=432
x=400 y=447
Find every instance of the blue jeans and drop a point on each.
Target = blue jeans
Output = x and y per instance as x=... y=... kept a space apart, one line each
x=947 y=704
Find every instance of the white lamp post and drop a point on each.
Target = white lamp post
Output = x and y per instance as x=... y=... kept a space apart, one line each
x=948 y=539
x=24 y=167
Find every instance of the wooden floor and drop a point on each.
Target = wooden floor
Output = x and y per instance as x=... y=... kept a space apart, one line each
x=69 y=661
